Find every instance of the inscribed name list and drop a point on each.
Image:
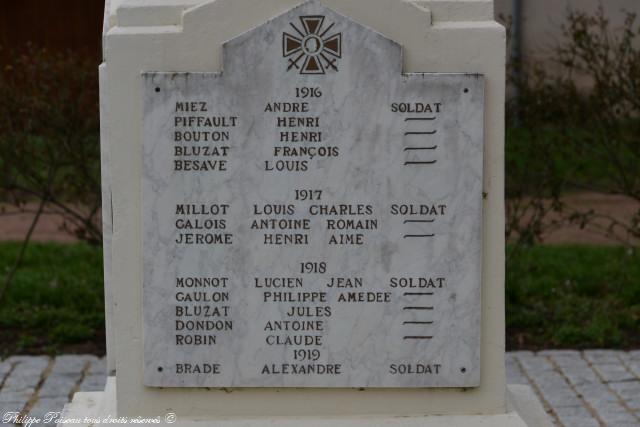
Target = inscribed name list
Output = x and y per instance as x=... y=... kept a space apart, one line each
x=312 y=215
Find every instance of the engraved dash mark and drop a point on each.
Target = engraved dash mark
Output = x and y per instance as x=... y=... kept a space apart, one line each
x=420 y=148
x=430 y=162
x=411 y=119
x=432 y=132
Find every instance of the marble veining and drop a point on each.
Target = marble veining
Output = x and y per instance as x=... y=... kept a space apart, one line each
x=406 y=148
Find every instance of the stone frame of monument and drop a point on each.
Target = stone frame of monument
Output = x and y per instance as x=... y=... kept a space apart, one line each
x=437 y=36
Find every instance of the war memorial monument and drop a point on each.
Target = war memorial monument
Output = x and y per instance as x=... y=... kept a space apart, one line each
x=303 y=214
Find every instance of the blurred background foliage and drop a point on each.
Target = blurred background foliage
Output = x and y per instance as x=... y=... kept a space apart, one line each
x=563 y=138
x=49 y=137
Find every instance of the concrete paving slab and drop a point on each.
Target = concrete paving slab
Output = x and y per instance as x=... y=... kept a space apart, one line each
x=594 y=388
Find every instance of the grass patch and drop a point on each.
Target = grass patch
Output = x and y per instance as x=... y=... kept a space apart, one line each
x=557 y=296
x=573 y=297
x=56 y=300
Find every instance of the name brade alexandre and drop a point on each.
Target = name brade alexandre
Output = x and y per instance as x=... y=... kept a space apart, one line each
x=267 y=369
x=309 y=368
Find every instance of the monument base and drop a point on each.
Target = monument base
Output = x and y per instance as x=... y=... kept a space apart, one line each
x=524 y=411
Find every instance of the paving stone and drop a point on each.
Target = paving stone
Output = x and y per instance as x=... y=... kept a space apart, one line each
x=554 y=388
x=602 y=357
x=579 y=374
x=553 y=373
x=634 y=367
x=573 y=411
x=579 y=422
x=614 y=414
x=620 y=419
x=515 y=375
x=549 y=379
x=5 y=367
x=634 y=404
x=560 y=397
x=7 y=412
x=627 y=390
x=569 y=360
x=534 y=366
x=72 y=363
x=48 y=410
x=33 y=362
x=93 y=383
x=613 y=373
x=18 y=381
x=517 y=379
x=28 y=359
x=576 y=416
x=36 y=365
x=626 y=355
x=16 y=397
x=594 y=393
x=26 y=373
x=559 y=353
x=98 y=367
x=58 y=386
x=10 y=407
x=522 y=353
x=510 y=357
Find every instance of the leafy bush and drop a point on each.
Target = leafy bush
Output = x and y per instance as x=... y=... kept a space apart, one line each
x=49 y=137
x=563 y=137
x=49 y=140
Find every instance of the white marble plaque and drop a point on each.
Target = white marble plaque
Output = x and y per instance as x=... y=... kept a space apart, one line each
x=312 y=215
